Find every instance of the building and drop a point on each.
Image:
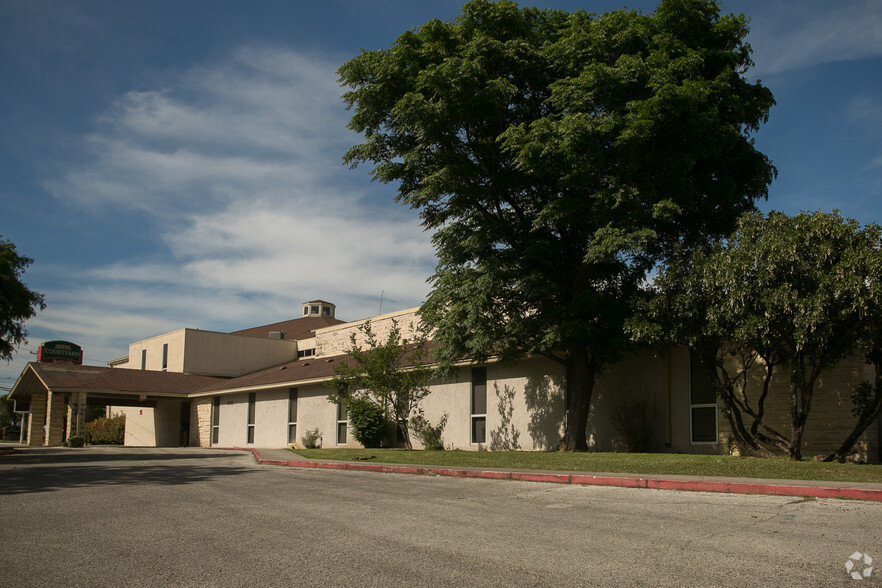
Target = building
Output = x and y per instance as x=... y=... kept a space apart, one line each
x=264 y=387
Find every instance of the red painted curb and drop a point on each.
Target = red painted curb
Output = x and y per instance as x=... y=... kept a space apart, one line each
x=589 y=480
x=548 y=478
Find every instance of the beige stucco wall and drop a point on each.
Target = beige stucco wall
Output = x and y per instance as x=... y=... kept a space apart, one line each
x=153 y=347
x=526 y=409
x=210 y=353
x=512 y=394
x=271 y=418
x=221 y=354
x=158 y=426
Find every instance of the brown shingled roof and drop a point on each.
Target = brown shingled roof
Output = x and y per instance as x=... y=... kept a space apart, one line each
x=314 y=368
x=299 y=328
x=60 y=376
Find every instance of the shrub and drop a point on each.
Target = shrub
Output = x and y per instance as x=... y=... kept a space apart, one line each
x=104 y=431
x=311 y=440
x=425 y=432
x=368 y=422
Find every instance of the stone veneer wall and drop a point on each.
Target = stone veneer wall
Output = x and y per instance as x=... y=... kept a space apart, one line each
x=55 y=415
x=830 y=420
x=37 y=420
x=337 y=339
x=200 y=422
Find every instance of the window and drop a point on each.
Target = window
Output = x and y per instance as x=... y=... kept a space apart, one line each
x=143 y=359
x=341 y=423
x=215 y=420
x=292 y=415
x=165 y=357
x=479 y=405
x=305 y=310
x=702 y=403
x=314 y=309
x=252 y=404
x=301 y=353
x=326 y=311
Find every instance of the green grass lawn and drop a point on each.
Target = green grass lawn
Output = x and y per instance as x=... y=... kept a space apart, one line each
x=632 y=463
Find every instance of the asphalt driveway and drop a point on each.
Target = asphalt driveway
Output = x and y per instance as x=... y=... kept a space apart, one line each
x=196 y=517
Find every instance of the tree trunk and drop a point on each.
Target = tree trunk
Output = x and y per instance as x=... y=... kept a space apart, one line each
x=580 y=386
x=869 y=413
x=797 y=412
x=405 y=433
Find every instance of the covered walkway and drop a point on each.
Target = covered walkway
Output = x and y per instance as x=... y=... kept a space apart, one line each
x=55 y=396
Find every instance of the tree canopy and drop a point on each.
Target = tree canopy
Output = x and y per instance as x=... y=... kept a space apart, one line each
x=557 y=157
x=18 y=303
x=784 y=297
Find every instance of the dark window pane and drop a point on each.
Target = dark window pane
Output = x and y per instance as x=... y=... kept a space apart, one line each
x=704 y=425
x=341 y=433
x=292 y=405
x=700 y=385
x=479 y=391
x=251 y=434
x=292 y=433
x=479 y=430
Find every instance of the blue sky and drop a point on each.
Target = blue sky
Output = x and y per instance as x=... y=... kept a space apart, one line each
x=174 y=164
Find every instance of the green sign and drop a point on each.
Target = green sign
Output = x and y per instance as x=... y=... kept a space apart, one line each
x=60 y=351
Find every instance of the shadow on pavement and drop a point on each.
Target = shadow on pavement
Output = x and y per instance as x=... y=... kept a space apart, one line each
x=47 y=470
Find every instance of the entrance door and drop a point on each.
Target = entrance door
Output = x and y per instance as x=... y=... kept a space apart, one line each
x=184 y=440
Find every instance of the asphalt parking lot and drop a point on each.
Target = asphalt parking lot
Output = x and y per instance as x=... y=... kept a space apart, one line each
x=196 y=517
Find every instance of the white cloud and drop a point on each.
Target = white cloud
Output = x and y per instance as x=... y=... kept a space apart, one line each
x=793 y=35
x=240 y=164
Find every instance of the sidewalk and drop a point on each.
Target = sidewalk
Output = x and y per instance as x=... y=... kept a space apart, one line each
x=853 y=490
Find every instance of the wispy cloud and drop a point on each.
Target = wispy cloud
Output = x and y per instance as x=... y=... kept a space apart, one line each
x=788 y=36
x=239 y=162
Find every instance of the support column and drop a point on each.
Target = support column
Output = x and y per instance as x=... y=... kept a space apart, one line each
x=76 y=415
x=55 y=415
x=200 y=422
x=37 y=420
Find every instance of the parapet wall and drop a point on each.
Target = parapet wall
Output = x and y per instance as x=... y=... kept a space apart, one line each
x=337 y=339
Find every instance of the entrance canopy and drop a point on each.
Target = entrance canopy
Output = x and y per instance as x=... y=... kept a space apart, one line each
x=48 y=387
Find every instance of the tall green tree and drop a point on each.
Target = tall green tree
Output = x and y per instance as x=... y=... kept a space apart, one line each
x=18 y=303
x=783 y=297
x=393 y=375
x=557 y=157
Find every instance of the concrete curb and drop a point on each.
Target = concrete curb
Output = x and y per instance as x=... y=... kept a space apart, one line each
x=782 y=489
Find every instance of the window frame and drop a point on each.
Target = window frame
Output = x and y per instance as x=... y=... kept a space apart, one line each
x=252 y=413
x=700 y=406
x=215 y=420
x=478 y=380
x=293 y=402
x=342 y=423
